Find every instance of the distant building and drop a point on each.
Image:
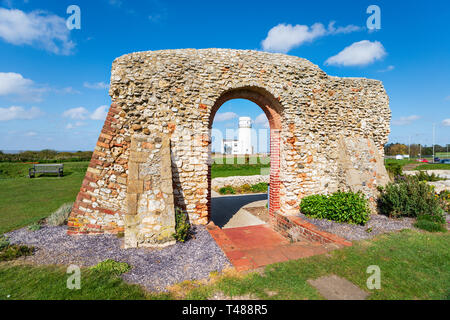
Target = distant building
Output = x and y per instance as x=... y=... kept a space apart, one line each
x=243 y=145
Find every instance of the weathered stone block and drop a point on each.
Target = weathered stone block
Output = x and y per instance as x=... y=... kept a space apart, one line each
x=132 y=201
x=135 y=186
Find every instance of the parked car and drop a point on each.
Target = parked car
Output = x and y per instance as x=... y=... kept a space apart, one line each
x=445 y=161
x=422 y=160
x=436 y=160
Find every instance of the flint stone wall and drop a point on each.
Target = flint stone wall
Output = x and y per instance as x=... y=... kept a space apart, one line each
x=322 y=121
x=238 y=181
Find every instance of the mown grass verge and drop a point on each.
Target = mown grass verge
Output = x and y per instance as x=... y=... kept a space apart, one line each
x=20 y=282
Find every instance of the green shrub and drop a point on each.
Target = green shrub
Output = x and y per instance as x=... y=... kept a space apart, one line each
x=424 y=176
x=11 y=252
x=444 y=199
x=394 y=169
x=182 y=226
x=112 y=267
x=408 y=197
x=260 y=187
x=246 y=188
x=227 y=190
x=120 y=235
x=431 y=223
x=315 y=206
x=4 y=242
x=34 y=227
x=60 y=216
x=347 y=207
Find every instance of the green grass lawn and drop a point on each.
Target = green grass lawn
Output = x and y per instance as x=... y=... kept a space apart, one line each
x=414 y=265
x=24 y=200
x=229 y=170
x=422 y=166
x=443 y=155
x=433 y=166
x=400 y=162
x=241 y=159
x=235 y=166
x=21 y=282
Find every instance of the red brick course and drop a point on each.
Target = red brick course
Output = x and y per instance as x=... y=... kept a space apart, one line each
x=79 y=220
x=297 y=229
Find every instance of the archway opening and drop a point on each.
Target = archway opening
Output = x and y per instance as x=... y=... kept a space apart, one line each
x=244 y=137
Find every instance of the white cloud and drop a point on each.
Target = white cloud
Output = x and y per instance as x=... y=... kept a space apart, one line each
x=13 y=83
x=76 y=113
x=261 y=120
x=116 y=3
x=284 y=37
x=37 y=28
x=66 y=90
x=387 y=69
x=82 y=113
x=100 y=113
x=225 y=116
x=19 y=113
x=405 y=120
x=155 y=17
x=75 y=125
x=358 y=54
x=347 y=29
x=30 y=134
x=96 y=85
x=446 y=122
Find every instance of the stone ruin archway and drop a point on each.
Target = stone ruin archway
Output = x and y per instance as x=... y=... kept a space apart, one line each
x=153 y=151
x=273 y=111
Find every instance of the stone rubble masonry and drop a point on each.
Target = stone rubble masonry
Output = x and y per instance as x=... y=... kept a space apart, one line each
x=238 y=181
x=327 y=133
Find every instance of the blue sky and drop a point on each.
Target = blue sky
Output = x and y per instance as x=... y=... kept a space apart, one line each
x=53 y=82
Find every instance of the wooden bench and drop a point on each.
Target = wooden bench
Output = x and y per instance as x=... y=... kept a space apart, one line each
x=46 y=168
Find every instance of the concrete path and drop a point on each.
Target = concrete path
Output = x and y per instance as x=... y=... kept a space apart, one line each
x=243 y=218
x=224 y=208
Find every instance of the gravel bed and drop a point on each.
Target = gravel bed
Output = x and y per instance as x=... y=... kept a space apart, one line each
x=378 y=223
x=155 y=269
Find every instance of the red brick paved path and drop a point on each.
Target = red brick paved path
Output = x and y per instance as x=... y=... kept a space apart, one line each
x=256 y=246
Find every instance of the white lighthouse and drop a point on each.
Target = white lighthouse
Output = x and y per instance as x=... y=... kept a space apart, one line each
x=245 y=135
x=244 y=143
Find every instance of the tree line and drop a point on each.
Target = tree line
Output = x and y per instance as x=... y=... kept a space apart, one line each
x=46 y=156
x=414 y=150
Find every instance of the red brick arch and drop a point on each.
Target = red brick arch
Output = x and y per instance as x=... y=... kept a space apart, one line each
x=273 y=110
